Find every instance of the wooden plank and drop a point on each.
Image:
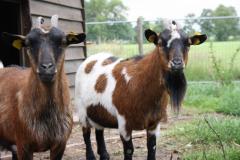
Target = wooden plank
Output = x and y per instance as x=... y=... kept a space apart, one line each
x=71 y=79
x=71 y=66
x=65 y=25
x=74 y=53
x=48 y=9
x=70 y=3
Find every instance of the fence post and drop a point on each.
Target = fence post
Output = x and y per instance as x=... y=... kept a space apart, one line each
x=140 y=35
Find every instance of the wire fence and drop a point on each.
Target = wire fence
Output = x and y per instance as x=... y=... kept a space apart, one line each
x=126 y=39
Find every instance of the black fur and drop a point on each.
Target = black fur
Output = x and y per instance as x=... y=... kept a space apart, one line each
x=177 y=86
x=113 y=59
x=135 y=58
x=151 y=145
x=127 y=148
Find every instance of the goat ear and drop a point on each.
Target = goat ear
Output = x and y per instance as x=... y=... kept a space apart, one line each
x=74 y=38
x=16 y=41
x=151 y=36
x=197 y=39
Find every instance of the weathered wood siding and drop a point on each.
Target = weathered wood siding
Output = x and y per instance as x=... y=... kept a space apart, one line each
x=71 y=18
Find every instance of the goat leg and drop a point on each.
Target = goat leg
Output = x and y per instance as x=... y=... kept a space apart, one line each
x=128 y=148
x=24 y=152
x=56 y=153
x=87 y=140
x=101 y=147
x=151 y=146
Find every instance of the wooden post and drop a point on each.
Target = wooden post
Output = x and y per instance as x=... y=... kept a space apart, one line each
x=140 y=35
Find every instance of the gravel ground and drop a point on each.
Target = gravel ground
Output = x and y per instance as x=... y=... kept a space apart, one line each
x=76 y=148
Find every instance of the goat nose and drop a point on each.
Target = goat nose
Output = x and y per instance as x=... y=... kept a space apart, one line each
x=47 y=66
x=177 y=61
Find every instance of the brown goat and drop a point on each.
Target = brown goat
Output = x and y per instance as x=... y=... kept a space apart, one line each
x=35 y=112
x=133 y=94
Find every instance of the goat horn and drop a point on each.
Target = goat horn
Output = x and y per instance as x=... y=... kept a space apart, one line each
x=54 y=20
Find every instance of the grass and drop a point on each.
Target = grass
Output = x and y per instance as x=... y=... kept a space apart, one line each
x=212 y=97
x=199 y=65
x=196 y=140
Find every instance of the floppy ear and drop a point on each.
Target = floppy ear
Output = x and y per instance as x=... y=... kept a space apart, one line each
x=74 y=38
x=197 y=39
x=17 y=41
x=151 y=36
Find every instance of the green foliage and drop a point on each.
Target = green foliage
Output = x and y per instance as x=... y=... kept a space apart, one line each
x=229 y=102
x=105 y=10
x=207 y=26
x=203 y=96
x=209 y=97
x=221 y=29
x=225 y=78
x=189 y=23
x=205 y=138
x=213 y=154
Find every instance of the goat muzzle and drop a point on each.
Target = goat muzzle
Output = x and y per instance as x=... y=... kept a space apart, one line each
x=47 y=72
x=176 y=65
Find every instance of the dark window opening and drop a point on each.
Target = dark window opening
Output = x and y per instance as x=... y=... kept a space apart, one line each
x=10 y=22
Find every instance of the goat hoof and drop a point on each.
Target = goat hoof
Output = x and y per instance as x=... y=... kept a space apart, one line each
x=91 y=157
x=104 y=156
x=127 y=157
x=151 y=158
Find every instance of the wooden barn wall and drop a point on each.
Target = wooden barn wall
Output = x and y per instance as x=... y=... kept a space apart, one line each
x=71 y=18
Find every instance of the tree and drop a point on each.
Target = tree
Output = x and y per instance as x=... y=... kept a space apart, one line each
x=189 y=23
x=158 y=26
x=222 y=29
x=226 y=27
x=107 y=10
x=207 y=27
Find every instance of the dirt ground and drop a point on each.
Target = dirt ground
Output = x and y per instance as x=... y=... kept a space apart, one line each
x=75 y=149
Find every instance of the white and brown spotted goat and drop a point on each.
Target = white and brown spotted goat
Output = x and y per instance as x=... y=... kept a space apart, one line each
x=35 y=114
x=133 y=94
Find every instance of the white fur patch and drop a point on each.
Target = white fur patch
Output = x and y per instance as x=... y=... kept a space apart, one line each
x=85 y=93
x=97 y=126
x=44 y=31
x=174 y=35
x=125 y=74
x=156 y=131
x=39 y=22
x=122 y=127
x=1 y=64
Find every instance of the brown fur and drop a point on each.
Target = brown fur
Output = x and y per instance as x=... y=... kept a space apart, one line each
x=145 y=94
x=101 y=83
x=103 y=119
x=90 y=66
x=34 y=116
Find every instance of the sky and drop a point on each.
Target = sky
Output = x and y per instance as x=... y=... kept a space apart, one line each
x=172 y=9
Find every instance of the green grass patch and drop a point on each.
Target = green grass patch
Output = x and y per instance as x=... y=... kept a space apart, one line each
x=212 y=97
x=196 y=140
x=229 y=102
x=199 y=64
